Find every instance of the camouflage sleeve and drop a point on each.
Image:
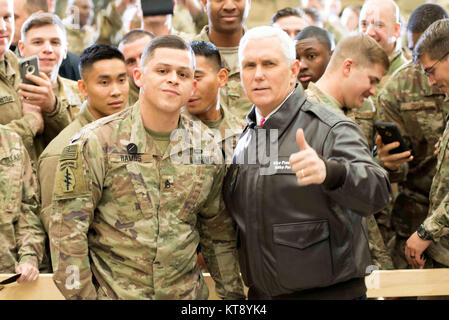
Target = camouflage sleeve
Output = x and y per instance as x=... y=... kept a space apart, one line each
x=218 y=243
x=388 y=110
x=55 y=122
x=110 y=25
x=26 y=127
x=437 y=222
x=29 y=231
x=77 y=189
x=46 y=177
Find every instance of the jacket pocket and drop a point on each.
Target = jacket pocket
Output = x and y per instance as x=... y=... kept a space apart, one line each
x=303 y=254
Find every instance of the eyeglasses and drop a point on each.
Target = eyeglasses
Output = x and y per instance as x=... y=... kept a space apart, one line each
x=429 y=71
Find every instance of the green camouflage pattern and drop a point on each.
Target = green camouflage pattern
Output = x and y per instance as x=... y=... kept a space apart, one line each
x=22 y=237
x=27 y=126
x=437 y=221
x=134 y=221
x=379 y=252
x=420 y=111
x=229 y=131
x=48 y=161
x=233 y=95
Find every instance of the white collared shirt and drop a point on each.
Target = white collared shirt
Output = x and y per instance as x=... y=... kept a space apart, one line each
x=259 y=116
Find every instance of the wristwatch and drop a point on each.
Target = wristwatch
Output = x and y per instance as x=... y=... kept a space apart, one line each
x=423 y=234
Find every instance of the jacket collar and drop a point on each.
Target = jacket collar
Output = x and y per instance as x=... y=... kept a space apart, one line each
x=282 y=118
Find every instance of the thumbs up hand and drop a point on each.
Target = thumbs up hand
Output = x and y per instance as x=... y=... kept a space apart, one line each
x=306 y=163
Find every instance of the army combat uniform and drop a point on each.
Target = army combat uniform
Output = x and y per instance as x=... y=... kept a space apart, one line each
x=420 y=111
x=437 y=222
x=233 y=95
x=229 y=127
x=22 y=236
x=48 y=161
x=26 y=125
x=130 y=219
x=379 y=252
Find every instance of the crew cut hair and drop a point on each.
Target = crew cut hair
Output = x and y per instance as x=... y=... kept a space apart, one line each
x=168 y=41
x=423 y=16
x=96 y=53
x=135 y=35
x=320 y=34
x=37 y=20
x=287 y=44
x=434 y=41
x=209 y=51
x=362 y=49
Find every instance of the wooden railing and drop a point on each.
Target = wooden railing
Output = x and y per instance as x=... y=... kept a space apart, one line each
x=381 y=283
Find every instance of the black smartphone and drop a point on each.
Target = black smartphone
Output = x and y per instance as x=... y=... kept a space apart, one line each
x=29 y=65
x=157 y=7
x=389 y=132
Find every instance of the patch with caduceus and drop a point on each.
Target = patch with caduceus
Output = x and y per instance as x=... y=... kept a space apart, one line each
x=70 y=181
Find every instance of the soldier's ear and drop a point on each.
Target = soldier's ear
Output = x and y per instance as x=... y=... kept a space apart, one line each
x=82 y=86
x=222 y=76
x=137 y=75
x=21 y=46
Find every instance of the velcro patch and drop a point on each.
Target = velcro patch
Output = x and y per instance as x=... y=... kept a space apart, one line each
x=69 y=153
x=70 y=179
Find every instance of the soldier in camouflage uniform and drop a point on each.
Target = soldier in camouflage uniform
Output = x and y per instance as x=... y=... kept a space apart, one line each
x=23 y=118
x=97 y=62
x=44 y=36
x=233 y=96
x=204 y=104
x=420 y=111
x=132 y=205
x=380 y=20
x=327 y=91
x=132 y=46
x=431 y=52
x=432 y=235
x=22 y=237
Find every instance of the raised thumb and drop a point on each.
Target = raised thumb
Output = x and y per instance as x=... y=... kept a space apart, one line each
x=301 y=140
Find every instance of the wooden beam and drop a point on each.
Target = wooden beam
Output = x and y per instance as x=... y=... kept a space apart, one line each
x=42 y=289
x=408 y=283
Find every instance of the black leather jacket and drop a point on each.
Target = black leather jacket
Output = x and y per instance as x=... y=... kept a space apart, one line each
x=291 y=237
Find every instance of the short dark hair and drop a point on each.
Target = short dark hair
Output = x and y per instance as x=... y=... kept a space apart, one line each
x=208 y=50
x=434 y=41
x=287 y=12
x=134 y=35
x=321 y=35
x=168 y=41
x=96 y=53
x=423 y=16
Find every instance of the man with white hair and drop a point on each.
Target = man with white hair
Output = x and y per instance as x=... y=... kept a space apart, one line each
x=301 y=226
